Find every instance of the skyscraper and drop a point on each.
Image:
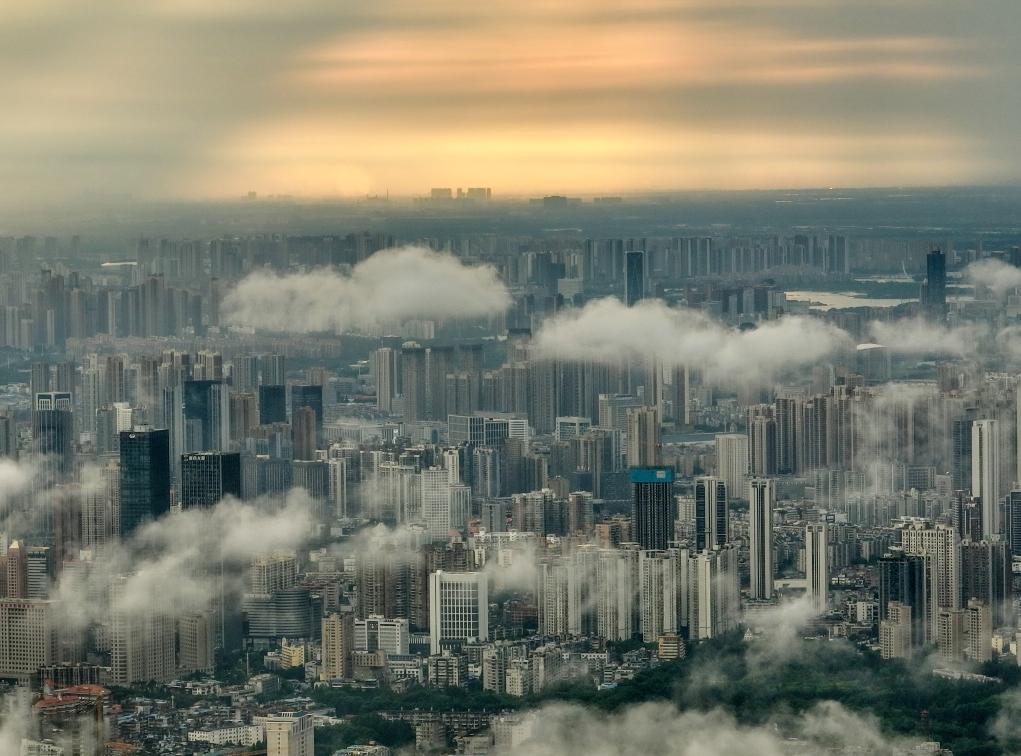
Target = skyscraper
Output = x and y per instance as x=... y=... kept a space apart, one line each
x=761 y=501
x=384 y=369
x=206 y=477
x=935 y=291
x=634 y=277
x=938 y=544
x=817 y=565
x=985 y=473
x=53 y=436
x=206 y=416
x=732 y=461
x=338 y=645
x=712 y=513
x=654 y=508
x=303 y=433
x=145 y=477
x=272 y=404
x=308 y=395
x=903 y=580
x=643 y=444
x=458 y=608
x=413 y=381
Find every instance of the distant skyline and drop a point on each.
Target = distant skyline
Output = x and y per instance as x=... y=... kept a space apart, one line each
x=203 y=99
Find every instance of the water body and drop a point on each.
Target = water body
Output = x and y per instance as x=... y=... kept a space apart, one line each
x=842 y=300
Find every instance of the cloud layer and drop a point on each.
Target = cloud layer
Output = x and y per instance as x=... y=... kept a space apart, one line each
x=388 y=288
x=659 y=729
x=995 y=275
x=176 y=559
x=605 y=330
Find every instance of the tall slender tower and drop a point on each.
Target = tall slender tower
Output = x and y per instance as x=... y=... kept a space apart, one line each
x=712 y=513
x=761 y=501
x=985 y=473
x=817 y=565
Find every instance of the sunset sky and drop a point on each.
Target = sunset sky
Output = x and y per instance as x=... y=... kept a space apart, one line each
x=212 y=98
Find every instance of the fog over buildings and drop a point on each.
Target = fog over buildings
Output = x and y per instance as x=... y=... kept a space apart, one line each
x=533 y=378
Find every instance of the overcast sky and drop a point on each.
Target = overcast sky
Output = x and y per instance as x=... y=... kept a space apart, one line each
x=212 y=98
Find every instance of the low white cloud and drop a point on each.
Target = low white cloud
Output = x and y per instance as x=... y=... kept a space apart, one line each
x=15 y=720
x=920 y=336
x=177 y=559
x=390 y=287
x=779 y=630
x=606 y=330
x=659 y=729
x=997 y=276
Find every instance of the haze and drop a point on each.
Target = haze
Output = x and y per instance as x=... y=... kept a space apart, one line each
x=214 y=98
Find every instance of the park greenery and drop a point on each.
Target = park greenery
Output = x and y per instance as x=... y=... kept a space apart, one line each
x=730 y=674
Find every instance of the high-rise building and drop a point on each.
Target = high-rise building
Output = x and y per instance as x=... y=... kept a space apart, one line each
x=615 y=588
x=658 y=593
x=762 y=445
x=303 y=433
x=934 y=298
x=338 y=645
x=144 y=477
x=895 y=632
x=244 y=373
x=53 y=436
x=938 y=544
x=1012 y=524
x=207 y=477
x=436 y=503
x=29 y=637
x=712 y=514
x=272 y=404
x=338 y=480
x=458 y=608
x=714 y=595
x=378 y=633
x=985 y=575
x=289 y=734
x=643 y=444
x=653 y=508
x=272 y=370
x=985 y=473
x=206 y=415
x=553 y=596
x=903 y=580
x=143 y=636
x=384 y=369
x=761 y=502
x=732 y=461
x=439 y=364
x=634 y=277
x=311 y=396
x=817 y=565
x=195 y=640
x=413 y=372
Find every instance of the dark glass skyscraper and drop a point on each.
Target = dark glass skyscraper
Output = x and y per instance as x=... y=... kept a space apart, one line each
x=272 y=404
x=206 y=415
x=53 y=436
x=935 y=299
x=206 y=477
x=634 y=277
x=902 y=577
x=654 y=508
x=145 y=477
